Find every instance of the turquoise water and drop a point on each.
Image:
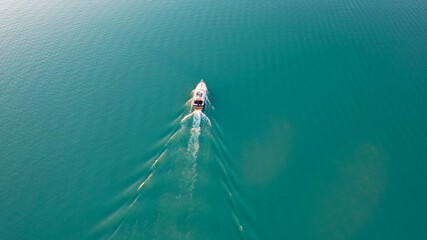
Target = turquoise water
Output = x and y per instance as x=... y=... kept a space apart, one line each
x=316 y=127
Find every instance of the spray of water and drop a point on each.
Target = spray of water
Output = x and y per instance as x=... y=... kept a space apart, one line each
x=193 y=143
x=198 y=119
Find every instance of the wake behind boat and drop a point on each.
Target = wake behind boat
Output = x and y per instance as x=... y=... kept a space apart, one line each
x=199 y=97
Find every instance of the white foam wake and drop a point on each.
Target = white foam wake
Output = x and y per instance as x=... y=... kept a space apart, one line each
x=193 y=143
x=199 y=118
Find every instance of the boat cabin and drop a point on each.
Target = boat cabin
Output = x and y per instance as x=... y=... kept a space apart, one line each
x=198 y=104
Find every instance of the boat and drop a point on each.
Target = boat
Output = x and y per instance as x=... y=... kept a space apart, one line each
x=199 y=97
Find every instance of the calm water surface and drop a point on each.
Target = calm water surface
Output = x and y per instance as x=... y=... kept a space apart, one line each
x=316 y=127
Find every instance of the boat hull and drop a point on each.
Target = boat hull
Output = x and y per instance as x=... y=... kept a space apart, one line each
x=199 y=96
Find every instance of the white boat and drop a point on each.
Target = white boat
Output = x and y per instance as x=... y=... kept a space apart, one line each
x=199 y=97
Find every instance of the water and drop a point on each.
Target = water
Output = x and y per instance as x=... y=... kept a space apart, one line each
x=315 y=127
